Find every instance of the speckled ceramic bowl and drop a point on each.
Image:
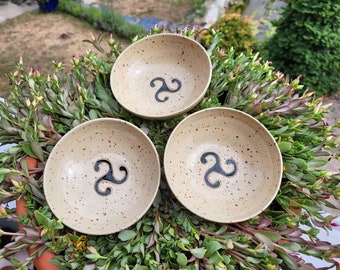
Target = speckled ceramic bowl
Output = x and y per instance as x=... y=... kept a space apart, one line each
x=161 y=76
x=223 y=165
x=102 y=176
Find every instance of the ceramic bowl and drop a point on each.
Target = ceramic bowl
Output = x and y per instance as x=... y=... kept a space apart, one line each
x=102 y=176
x=223 y=165
x=161 y=76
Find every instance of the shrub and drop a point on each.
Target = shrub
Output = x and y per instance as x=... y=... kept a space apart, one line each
x=307 y=42
x=235 y=31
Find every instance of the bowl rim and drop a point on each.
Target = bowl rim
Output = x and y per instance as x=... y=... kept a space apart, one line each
x=185 y=121
x=72 y=132
x=185 y=108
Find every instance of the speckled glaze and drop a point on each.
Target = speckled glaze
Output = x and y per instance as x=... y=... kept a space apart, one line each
x=75 y=169
x=223 y=165
x=161 y=76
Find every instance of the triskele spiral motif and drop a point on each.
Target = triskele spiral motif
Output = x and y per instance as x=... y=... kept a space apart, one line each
x=108 y=177
x=165 y=88
x=217 y=168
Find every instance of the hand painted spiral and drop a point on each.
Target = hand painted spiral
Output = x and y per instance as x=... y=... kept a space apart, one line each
x=217 y=168
x=108 y=177
x=165 y=88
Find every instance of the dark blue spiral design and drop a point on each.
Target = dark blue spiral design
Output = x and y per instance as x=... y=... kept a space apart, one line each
x=108 y=177
x=217 y=168
x=165 y=88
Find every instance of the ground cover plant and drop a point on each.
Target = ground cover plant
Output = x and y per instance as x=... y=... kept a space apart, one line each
x=44 y=107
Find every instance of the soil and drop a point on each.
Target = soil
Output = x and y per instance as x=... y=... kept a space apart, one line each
x=40 y=38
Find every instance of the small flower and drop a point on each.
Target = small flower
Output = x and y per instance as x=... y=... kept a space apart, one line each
x=80 y=243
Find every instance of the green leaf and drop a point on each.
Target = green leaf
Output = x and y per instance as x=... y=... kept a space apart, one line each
x=126 y=235
x=296 y=177
x=285 y=146
x=216 y=258
x=181 y=259
x=198 y=252
x=291 y=246
x=93 y=114
x=102 y=94
x=31 y=83
x=37 y=150
x=268 y=243
x=42 y=219
x=291 y=264
x=299 y=162
x=182 y=243
x=35 y=189
x=274 y=236
x=147 y=228
x=279 y=131
x=115 y=105
x=308 y=205
x=315 y=163
x=26 y=147
x=211 y=247
x=253 y=260
x=4 y=171
x=92 y=256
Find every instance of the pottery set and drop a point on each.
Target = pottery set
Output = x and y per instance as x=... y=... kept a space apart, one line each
x=220 y=163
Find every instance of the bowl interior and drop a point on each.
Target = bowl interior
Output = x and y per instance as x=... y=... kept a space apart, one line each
x=102 y=176
x=223 y=165
x=161 y=76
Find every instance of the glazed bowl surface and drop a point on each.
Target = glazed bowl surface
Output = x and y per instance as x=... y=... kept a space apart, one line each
x=223 y=165
x=161 y=76
x=102 y=176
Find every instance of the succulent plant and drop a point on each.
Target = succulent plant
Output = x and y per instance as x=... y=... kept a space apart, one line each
x=42 y=108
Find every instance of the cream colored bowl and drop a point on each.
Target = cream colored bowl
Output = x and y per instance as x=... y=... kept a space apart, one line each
x=161 y=76
x=102 y=176
x=223 y=165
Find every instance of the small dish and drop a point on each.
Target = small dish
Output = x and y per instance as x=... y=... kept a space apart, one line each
x=102 y=176
x=223 y=165
x=161 y=76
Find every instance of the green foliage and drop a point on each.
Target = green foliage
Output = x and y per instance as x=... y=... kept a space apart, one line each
x=235 y=31
x=307 y=42
x=102 y=18
x=168 y=236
